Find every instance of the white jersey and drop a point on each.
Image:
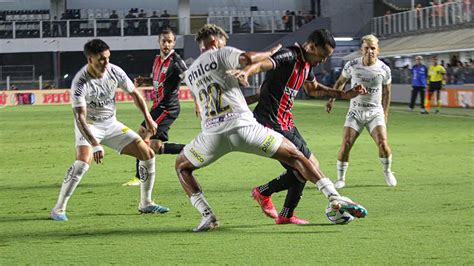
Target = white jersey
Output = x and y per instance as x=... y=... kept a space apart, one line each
x=372 y=77
x=98 y=95
x=221 y=101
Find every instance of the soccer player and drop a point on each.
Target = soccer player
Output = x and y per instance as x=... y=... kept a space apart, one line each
x=288 y=69
x=435 y=81
x=366 y=111
x=165 y=78
x=93 y=103
x=228 y=125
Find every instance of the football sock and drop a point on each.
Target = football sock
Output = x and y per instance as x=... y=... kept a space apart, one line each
x=326 y=187
x=387 y=163
x=147 y=180
x=72 y=178
x=200 y=203
x=341 y=169
x=292 y=199
x=172 y=148
x=282 y=182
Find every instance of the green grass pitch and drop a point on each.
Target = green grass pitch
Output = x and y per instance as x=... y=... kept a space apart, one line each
x=426 y=219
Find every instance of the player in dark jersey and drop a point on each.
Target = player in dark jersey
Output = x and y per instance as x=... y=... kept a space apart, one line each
x=288 y=70
x=165 y=79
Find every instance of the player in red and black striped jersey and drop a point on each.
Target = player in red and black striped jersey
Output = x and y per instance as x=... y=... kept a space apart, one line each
x=165 y=79
x=289 y=69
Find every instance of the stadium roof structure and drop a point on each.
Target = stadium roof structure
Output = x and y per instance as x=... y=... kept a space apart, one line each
x=430 y=43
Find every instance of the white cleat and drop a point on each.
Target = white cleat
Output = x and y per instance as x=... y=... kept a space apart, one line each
x=208 y=222
x=339 y=184
x=390 y=179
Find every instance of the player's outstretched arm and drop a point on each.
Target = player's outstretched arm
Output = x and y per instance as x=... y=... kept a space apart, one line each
x=339 y=85
x=80 y=117
x=141 y=105
x=313 y=88
x=251 y=57
x=250 y=70
x=386 y=95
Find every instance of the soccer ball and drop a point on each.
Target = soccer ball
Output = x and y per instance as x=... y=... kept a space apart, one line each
x=338 y=216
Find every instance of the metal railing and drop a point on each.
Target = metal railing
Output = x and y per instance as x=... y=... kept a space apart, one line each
x=144 y=26
x=437 y=16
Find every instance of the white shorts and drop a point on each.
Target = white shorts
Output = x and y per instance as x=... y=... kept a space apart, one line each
x=256 y=139
x=358 y=119
x=110 y=133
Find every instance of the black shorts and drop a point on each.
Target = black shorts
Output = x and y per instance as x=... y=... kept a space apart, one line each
x=163 y=119
x=435 y=86
x=295 y=137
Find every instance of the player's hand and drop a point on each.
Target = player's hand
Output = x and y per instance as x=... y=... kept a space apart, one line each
x=151 y=126
x=240 y=75
x=138 y=81
x=360 y=89
x=329 y=105
x=98 y=153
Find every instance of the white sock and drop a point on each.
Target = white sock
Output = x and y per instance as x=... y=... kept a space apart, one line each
x=327 y=187
x=72 y=178
x=387 y=163
x=200 y=203
x=341 y=170
x=146 y=170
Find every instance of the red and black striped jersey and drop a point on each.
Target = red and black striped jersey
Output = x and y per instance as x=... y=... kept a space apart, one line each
x=280 y=87
x=166 y=78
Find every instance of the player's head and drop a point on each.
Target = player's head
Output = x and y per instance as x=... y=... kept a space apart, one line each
x=369 y=47
x=418 y=59
x=211 y=36
x=435 y=60
x=167 y=41
x=97 y=53
x=319 y=46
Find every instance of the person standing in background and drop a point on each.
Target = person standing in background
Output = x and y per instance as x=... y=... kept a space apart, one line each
x=419 y=74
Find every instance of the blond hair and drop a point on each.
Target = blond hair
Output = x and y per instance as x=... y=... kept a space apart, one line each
x=210 y=30
x=369 y=39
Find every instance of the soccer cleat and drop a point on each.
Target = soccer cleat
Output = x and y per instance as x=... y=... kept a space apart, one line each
x=346 y=204
x=292 y=220
x=58 y=216
x=208 y=222
x=154 y=208
x=390 y=179
x=265 y=203
x=134 y=181
x=339 y=184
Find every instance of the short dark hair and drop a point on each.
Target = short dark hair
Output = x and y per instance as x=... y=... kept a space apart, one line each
x=321 y=38
x=94 y=47
x=210 y=30
x=167 y=31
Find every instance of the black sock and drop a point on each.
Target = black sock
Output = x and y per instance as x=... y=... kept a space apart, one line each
x=172 y=148
x=137 y=175
x=292 y=199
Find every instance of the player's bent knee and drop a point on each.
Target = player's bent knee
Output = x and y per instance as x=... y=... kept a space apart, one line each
x=155 y=145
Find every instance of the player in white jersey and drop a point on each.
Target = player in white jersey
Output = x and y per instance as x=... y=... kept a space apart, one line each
x=228 y=125
x=93 y=101
x=368 y=110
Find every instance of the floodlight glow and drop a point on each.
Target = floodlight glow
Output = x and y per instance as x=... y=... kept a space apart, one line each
x=343 y=39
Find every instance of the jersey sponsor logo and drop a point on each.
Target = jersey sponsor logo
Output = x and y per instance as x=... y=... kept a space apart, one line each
x=212 y=122
x=197 y=155
x=268 y=143
x=200 y=70
x=103 y=103
x=372 y=90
